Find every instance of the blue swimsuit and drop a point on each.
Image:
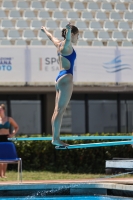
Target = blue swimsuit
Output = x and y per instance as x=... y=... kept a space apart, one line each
x=71 y=59
x=6 y=125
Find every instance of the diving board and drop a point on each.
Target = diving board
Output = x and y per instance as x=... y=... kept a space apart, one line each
x=92 y=145
x=73 y=138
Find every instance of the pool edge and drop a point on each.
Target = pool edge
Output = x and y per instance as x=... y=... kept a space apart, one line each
x=84 y=188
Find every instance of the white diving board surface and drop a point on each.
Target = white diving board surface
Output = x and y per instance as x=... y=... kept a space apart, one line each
x=123 y=164
x=73 y=138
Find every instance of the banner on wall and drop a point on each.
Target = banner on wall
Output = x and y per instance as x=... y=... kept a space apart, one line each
x=44 y=65
x=105 y=65
x=39 y=65
x=12 y=65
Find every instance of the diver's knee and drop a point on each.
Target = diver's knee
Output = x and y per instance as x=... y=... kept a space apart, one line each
x=60 y=111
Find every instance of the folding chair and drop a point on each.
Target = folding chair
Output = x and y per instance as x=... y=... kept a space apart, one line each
x=8 y=154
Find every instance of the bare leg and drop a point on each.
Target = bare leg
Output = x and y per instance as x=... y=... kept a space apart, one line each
x=53 y=116
x=63 y=95
x=4 y=170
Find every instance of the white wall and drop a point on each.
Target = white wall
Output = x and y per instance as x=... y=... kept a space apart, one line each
x=28 y=116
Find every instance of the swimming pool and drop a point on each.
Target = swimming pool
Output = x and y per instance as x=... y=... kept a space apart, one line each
x=66 y=191
x=66 y=198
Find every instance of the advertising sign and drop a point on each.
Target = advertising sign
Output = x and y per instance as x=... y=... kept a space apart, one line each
x=44 y=65
x=104 y=65
x=38 y=65
x=12 y=65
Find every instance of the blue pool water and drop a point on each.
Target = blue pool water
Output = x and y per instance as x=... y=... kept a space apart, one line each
x=67 y=198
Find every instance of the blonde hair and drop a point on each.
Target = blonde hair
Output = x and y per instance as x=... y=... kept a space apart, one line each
x=3 y=106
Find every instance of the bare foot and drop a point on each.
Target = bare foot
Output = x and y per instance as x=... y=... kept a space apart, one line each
x=59 y=143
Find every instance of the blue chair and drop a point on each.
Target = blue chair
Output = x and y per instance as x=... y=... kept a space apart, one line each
x=8 y=154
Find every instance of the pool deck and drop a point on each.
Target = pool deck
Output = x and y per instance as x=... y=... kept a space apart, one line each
x=110 y=186
x=124 y=181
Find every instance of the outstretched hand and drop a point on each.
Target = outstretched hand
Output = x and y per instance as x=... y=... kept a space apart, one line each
x=68 y=26
x=43 y=29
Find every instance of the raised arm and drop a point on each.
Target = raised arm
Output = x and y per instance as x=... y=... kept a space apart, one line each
x=68 y=36
x=50 y=36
